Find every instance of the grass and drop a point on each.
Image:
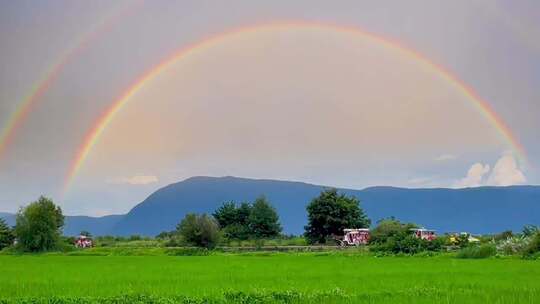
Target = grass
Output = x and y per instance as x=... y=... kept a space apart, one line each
x=477 y=252
x=266 y=278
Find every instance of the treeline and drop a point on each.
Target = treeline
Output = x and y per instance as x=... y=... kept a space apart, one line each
x=39 y=228
x=39 y=225
x=328 y=215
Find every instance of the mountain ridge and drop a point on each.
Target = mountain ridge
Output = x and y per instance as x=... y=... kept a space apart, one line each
x=482 y=210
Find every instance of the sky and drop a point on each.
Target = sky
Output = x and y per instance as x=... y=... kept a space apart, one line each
x=104 y=102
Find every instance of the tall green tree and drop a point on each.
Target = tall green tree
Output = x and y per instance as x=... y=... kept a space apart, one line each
x=264 y=220
x=39 y=226
x=227 y=214
x=199 y=230
x=6 y=235
x=330 y=213
x=234 y=220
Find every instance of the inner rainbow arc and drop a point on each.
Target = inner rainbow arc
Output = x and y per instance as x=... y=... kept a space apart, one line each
x=101 y=124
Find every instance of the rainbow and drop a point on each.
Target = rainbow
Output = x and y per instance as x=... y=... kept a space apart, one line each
x=29 y=102
x=101 y=124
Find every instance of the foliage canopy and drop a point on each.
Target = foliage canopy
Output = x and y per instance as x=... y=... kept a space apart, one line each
x=200 y=230
x=6 y=235
x=39 y=226
x=245 y=221
x=330 y=213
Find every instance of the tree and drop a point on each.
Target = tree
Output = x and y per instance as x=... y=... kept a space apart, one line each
x=257 y=220
x=165 y=235
x=6 y=235
x=504 y=235
x=264 y=220
x=389 y=228
x=226 y=215
x=199 y=230
x=530 y=230
x=38 y=226
x=330 y=213
x=234 y=220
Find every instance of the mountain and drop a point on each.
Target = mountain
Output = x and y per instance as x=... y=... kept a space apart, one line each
x=477 y=210
x=96 y=225
x=75 y=224
x=163 y=209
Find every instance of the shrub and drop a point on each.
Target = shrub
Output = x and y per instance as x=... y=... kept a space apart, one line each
x=462 y=240
x=200 y=230
x=104 y=241
x=513 y=245
x=530 y=230
x=392 y=236
x=407 y=244
x=175 y=241
x=533 y=247
x=388 y=229
x=165 y=235
x=477 y=252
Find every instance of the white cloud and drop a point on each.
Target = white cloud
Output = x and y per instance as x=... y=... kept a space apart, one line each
x=135 y=180
x=446 y=157
x=506 y=173
x=475 y=176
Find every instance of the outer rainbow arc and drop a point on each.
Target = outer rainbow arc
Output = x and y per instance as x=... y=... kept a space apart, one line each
x=29 y=102
x=93 y=136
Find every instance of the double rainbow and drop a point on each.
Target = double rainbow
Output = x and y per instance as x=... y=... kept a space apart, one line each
x=101 y=124
x=29 y=102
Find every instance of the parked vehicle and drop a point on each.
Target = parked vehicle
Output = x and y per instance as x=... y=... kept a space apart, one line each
x=454 y=238
x=84 y=242
x=424 y=234
x=354 y=237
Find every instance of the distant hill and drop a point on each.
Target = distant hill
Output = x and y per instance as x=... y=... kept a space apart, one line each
x=478 y=210
x=75 y=224
x=163 y=209
x=96 y=225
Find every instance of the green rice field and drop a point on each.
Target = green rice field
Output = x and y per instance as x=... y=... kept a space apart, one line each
x=266 y=278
